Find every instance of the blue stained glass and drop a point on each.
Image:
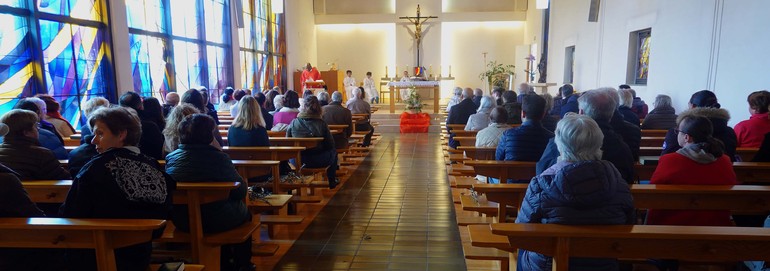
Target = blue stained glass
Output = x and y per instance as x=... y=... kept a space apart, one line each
x=81 y=9
x=217 y=68
x=187 y=64
x=75 y=64
x=146 y=15
x=248 y=71
x=148 y=66
x=16 y=67
x=14 y=3
x=184 y=19
x=217 y=21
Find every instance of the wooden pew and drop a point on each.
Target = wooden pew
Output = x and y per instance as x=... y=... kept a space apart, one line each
x=102 y=235
x=307 y=142
x=652 y=141
x=746 y=154
x=747 y=172
x=479 y=153
x=503 y=170
x=692 y=243
x=737 y=198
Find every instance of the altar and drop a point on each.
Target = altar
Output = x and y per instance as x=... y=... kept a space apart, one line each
x=418 y=85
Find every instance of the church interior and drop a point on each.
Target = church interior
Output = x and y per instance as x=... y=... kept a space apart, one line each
x=521 y=135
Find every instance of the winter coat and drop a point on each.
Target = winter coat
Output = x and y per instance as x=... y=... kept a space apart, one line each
x=629 y=132
x=205 y=163
x=524 y=143
x=719 y=118
x=459 y=115
x=678 y=168
x=14 y=200
x=751 y=132
x=661 y=118
x=477 y=121
x=629 y=115
x=581 y=193
x=614 y=150
x=152 y=139
x=311 y=126
x=490 y=136
x=26 y=157
x=120 y=183
x=50 y=141
x=336 y=114
x=639 y=108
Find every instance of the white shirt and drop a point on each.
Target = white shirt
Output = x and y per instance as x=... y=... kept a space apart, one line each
x=369 y=87
x=405 y=79
x=349 y=82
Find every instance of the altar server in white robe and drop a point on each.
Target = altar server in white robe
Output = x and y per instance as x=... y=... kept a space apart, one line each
x=350 y=84
x=371 y=90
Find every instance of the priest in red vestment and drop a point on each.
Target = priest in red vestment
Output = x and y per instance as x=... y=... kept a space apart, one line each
x=310 y=73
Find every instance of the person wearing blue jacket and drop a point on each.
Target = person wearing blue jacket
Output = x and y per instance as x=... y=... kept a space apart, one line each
x=580 y=189
x=528 y=141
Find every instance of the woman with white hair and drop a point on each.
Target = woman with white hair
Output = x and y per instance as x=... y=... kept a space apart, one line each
x=480 y=120
x=456 y=98
x=580 y=189
x=663 y=115
x=626 y=102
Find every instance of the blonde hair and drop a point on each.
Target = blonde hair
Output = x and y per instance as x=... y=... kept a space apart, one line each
x=94 y=103
x=175 y=117
x=249 y=114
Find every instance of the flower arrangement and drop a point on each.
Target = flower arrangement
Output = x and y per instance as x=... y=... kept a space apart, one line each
x=497 y=73
x=414 y=102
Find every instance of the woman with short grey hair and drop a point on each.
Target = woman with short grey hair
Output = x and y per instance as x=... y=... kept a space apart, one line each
x=626 y=99
x=480 y=120
x=456 y=98
x=663 y=115
x=580 y=189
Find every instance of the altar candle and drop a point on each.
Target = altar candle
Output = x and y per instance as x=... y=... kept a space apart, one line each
x=450 y=70
x=396 y=75
x=430 y=69
x=386 y=71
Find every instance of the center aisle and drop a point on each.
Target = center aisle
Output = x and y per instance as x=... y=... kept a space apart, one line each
x=394 y=213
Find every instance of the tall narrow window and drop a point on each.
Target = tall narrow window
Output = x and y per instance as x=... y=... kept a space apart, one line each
x=569 y=65
x=639 y=57
x=16 y=62
x=263 y=43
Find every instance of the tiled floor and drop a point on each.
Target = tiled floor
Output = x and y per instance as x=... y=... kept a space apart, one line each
x=394 y=213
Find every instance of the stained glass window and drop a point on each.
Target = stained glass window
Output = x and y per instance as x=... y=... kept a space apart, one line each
x=147 y=15
x=268 y=48
x=14 y=3
x=80 y=9
x=16 y=66
x=187 y=64
x=642 y=56
x=149 y=66
x=217 y=24
x=184 y=20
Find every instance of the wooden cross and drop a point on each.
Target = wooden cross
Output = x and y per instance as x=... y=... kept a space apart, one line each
x=418 y=21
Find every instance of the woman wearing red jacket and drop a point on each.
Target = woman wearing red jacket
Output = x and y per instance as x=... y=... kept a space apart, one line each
x=700 y=161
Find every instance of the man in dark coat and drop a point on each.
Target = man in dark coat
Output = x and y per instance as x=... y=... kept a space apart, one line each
x=512 y=106
x=460 y=113
x=528 y=141
x=335 y=113
x=600 y=105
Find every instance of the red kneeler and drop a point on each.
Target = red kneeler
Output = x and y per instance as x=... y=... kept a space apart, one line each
x=414 y=123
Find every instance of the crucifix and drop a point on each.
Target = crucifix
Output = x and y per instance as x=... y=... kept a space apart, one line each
x=418 y=21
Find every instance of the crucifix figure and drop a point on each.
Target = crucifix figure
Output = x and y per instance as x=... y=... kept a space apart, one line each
x=418 y=21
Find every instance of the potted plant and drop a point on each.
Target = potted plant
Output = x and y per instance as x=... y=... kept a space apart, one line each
x=414 y=102
x=497 y=74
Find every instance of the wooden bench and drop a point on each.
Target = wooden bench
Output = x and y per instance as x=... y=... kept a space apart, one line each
x=746 y=154
x=307 y=142
x=747 y=172
x=652 y=141
x=503 y=170
x=478 y=153
x=692 y=243
x=102 y=235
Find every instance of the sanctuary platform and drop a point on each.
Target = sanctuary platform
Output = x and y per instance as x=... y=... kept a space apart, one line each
x=389 y=123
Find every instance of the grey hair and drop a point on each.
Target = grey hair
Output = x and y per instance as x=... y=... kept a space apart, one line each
x=486 y=104
x=278 y=101
x=323 y=96
x=578 y=138
x=458 y=91
x=662 y=101
x=337 y=97
x=478 y=92
x=626 y=97
x=599 y=103
x=39 y=102
x=356 y=92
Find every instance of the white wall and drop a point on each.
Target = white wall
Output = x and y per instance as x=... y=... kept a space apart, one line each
x=464 y=42
x=696 y=44
x=357 y=47
x=300 y=37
